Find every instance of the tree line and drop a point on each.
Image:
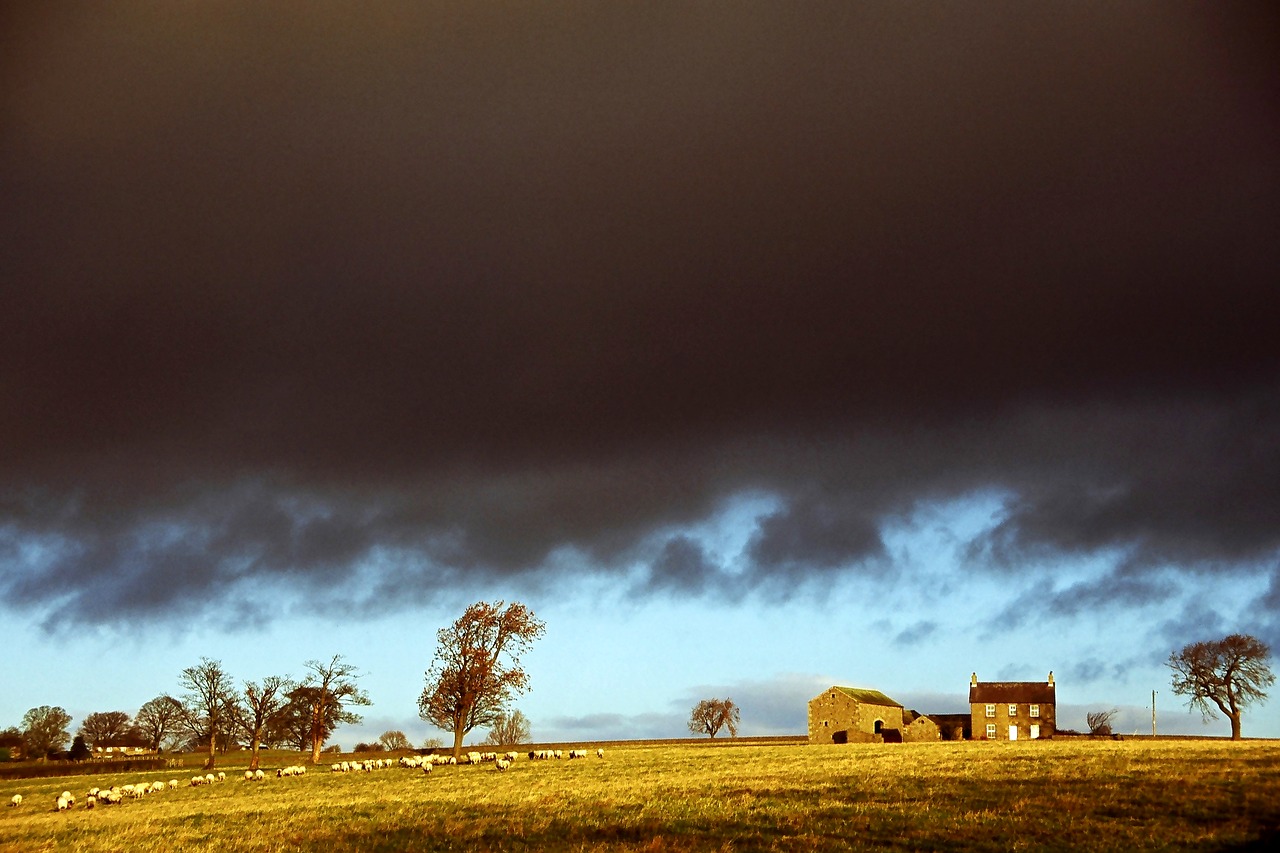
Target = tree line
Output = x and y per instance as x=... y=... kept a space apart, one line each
x=474 y=677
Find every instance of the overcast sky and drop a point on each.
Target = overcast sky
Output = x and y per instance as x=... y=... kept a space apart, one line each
x=757 y=347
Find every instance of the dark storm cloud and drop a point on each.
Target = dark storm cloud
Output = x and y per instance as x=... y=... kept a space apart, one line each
x=411 y=297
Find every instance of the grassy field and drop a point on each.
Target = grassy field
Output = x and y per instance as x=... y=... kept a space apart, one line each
x=1096 y=795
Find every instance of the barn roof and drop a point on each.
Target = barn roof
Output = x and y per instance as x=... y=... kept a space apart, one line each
x=867 y=697
x=1028 y=692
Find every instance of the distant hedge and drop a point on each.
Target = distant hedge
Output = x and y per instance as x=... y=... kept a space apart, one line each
x=36 y=770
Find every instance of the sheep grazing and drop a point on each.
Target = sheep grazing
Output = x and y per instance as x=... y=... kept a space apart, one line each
x=222 y=777
x=512 y=756
x=248 y=775
x=577 y=753
x=62 y=804
x=502 y=763
x=426 y=768
x=69 y=797
x=173 y=784
x=210 y=778
x=16 y=801
x=90 y=801
x=599 y=753
x=93 y=792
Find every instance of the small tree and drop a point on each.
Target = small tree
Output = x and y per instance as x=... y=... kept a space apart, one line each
x=394 y=740
x=335 y=689
x=209 y=700
x=1100 y=722
x=158 y=721
x=79 y=749
x=469 y=683
x=710 y=715
x=44 y=730
x=509 y=729
x=1229 y=674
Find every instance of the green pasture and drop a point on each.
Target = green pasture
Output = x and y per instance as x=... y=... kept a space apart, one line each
x=1094 y=795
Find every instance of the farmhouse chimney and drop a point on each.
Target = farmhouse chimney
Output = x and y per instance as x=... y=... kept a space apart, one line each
x=973 y=679
x=1051 y=676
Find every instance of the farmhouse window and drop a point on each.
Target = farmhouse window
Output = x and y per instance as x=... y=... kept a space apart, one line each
x=991 y=710
x=1035 y=710
x=1013 y=710
x=991 y=731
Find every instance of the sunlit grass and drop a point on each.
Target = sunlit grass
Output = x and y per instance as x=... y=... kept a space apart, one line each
x=973 y=796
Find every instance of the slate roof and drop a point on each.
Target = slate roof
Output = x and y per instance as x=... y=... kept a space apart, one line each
x=1019 y=692
x=867 y=697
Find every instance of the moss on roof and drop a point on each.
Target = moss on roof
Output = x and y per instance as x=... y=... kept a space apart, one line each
x=868 y=697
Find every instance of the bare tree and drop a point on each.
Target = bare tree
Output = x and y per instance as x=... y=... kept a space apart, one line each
x=1229 y=674
x=210 y=696
x=1100 y=722
x=394 y=740
x=258 y=708
x=335 y=689
x=106 y=728
x=476 y=670
x=509 y=729
x=44 y=730
x=710 y=715
x=159 y=720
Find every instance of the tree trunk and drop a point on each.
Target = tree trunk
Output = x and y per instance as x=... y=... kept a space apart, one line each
x=1235 y=725
x=457 y=744
x=253 y=764
x=213 y=752
x=315 y=748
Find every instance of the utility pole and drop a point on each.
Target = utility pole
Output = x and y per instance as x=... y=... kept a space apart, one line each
x=1153 y=713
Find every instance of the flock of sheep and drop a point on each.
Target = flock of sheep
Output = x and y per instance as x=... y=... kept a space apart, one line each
x=138 y=790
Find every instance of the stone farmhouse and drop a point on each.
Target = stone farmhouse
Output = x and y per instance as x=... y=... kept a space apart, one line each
x=857 y=715
x=1012 y=710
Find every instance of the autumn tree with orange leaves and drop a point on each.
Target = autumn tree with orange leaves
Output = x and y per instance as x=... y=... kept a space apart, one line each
x=476 y=671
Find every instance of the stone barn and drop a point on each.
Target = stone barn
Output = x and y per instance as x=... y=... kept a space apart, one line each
x=854 y=715
x=1012 y=710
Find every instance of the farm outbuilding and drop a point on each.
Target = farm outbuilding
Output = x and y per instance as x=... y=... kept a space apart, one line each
x=854 y=715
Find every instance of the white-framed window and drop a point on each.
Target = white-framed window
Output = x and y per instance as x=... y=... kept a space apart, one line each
x=991 y=710
x=1035 y=710
x=991 y=731
x=1013 y=710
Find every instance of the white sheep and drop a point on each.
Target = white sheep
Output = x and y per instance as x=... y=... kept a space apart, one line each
x=258 y=775
x=222 y=777
x=209 y=778
x=512 y=756
x=502 y=763
x=577 y=753
x=157 y=786
x=90 y=801
x=16 y=801
x=474 y=758
x=426 y=768
x=599 y=753
x=62 y=804
x=173 y=784
x=248 y=775
x=70 y=798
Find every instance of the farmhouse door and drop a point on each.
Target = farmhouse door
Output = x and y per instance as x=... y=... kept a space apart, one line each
x=1013 y=732
x=1035 y=730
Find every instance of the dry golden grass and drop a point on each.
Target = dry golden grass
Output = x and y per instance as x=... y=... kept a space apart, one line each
x=1102 y=795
